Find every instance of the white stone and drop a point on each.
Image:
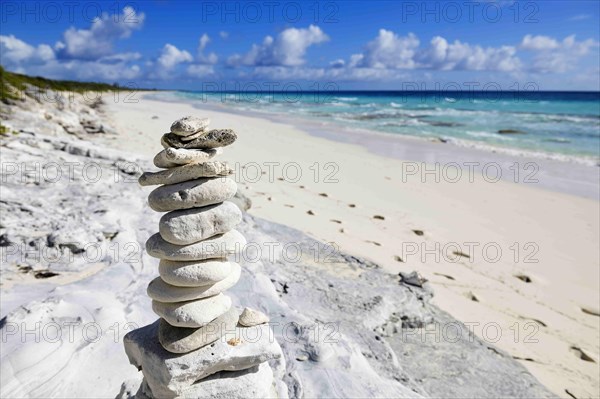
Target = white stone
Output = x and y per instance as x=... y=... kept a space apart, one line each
x=169 y=376
x=189 y=125
x=170 y=157
x=251 y=317
x=184 y=340
x=193 y=313
x=192 y=194
x=192 y=225
x=183 y=173
x=163 y=292
x=194 y=273
x=219 y=246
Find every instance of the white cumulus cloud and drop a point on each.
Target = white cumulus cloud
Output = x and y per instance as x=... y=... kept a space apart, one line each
x=388 y=50
x=441 y=55
x=552 y=55
x=15 y=51
x=171 y=56
x=538 y=43
x=288 y=48
x=202 y=58
x=391 y=51
x=98 y=40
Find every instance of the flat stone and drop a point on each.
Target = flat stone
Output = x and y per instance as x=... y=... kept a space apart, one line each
x=192 y=225
x=212 y=139
x=219 y=246
x=184 y=340
x=171 y=157
x=163 y=292
x=169 y=375
x=194 y=273
x=186 y=172
x=196 y=313
x=251 y=317
x=192 y=194
x=251 y=383
x=189 y=125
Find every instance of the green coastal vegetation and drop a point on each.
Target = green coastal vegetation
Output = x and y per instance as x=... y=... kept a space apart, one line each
x=14 y=84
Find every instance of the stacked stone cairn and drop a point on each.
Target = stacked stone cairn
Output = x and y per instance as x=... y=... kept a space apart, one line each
x=201 y=347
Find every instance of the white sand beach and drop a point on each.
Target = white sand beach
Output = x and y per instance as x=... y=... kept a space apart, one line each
x=517 y=262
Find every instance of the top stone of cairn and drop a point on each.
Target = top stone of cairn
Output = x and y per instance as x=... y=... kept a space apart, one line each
x=189 y=125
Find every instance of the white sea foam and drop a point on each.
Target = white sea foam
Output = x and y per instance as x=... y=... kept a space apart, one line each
x=578 y=159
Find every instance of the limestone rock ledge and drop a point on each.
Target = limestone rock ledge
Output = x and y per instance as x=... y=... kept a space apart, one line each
x=169 y=375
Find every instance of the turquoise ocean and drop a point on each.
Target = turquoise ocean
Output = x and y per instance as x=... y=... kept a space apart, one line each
x=560 y=125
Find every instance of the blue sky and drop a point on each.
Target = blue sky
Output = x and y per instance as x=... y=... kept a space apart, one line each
x=551 y=45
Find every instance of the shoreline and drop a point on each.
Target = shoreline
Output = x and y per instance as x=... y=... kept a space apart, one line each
x=512 y=165
x=371 y=211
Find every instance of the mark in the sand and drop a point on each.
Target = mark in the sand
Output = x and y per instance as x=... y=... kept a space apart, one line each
x=387 y=178
x=461 y=254
x=289 y=205
x=24 y=269
x=527 y=359
x=336 y=221
x=323 y=195
x=269 y=198
x=523 y=278
x=280 y=178
x=342 y=230
x=352 y=205
x=373 y=242
x=581 y=354
x=472 y=297
x=541 y=323
x=379 y=217
x=418 y=232
x=301 y=186
x=445 y=275
x=44 y=274
x=593 y=312
x=398 y=259
x=570 y=394
x=310 y=212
